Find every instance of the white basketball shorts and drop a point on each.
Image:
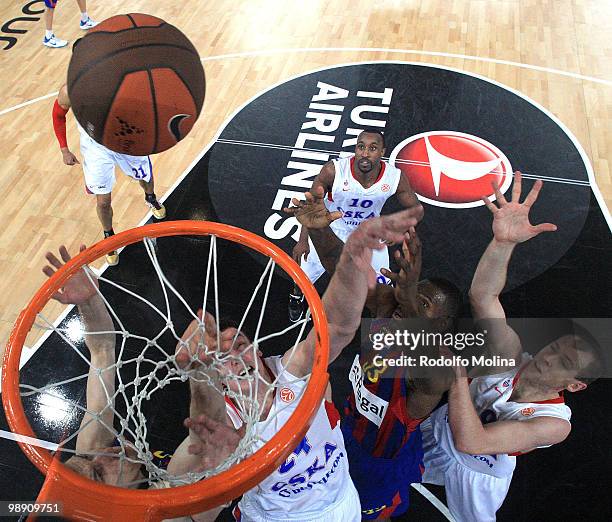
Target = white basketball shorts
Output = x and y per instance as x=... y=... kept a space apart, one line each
x=99 y=166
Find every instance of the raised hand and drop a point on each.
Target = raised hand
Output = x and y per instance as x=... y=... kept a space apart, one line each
x=197 y=341
x=79 y=288
x=213 y=442
x=511 y=218
x=312 y=212
x=409 y=261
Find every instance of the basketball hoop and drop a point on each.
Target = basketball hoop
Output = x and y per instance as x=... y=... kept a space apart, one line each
x=85 y=499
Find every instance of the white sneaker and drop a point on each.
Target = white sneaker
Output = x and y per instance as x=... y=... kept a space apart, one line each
x=54 y=41
x=87 y=24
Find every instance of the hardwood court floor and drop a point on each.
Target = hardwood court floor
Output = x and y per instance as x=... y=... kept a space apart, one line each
x=556 y=52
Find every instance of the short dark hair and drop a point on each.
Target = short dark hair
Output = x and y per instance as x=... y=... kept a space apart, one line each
x=371 y=130
x=451 y=292
x=226 y=322
x=598 y=367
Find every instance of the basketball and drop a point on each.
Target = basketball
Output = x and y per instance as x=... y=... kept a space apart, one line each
x=136 y=84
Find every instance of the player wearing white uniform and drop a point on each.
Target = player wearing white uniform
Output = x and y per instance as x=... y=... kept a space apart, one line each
x=476 y=485
x=99 y=170
x=357 y=187
x=469 y=443
x=315 y=476
x=313 y=483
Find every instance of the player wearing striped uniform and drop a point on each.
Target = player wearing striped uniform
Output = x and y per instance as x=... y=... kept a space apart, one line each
x=382 y=416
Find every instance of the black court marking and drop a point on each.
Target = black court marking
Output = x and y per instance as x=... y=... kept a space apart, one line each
x=561 y=483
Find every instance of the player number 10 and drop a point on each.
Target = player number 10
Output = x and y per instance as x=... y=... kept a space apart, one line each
x=365 y=203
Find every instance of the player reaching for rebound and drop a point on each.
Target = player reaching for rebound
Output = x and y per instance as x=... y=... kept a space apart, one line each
x=357 y=186
x=313 y=484
x=470 y=444
x=383 y=414
x=99 y=170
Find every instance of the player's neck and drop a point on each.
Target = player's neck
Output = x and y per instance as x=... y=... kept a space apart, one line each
x=367 y=179
x=525 y=391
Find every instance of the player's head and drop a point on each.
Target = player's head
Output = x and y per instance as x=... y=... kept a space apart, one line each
x=108 y=468
x=369 y=150
x=438 y=299
x=570 y=362
x=244 y=359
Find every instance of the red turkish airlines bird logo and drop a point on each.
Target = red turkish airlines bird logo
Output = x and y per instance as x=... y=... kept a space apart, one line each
x=452 y=169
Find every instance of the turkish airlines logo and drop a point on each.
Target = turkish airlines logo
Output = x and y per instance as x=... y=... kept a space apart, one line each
x=452 y=169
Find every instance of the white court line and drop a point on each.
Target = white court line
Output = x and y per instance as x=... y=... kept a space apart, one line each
x=437 y=503
x=549 y=179
x=263 y=52
x=409 y=51
x=30 y=102
x=28 y=440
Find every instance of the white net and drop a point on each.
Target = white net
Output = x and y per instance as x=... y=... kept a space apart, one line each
x=121 y=413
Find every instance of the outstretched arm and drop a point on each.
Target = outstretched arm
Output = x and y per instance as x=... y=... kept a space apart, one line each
x=314 y=217
x=511 y=226
x=348 y=288
x=510 y=436
x=80 y=290
x=323 y=182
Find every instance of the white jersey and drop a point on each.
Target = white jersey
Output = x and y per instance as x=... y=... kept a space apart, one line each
x=314 y=482
x=490 y=395
x=356 y=202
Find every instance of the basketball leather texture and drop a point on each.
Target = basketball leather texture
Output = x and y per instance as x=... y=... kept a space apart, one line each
x=136 y=84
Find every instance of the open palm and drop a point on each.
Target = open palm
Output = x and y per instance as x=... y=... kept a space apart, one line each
x=79 y=288
x=511 y=219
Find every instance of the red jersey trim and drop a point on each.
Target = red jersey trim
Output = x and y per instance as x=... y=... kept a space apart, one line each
x=332 y=414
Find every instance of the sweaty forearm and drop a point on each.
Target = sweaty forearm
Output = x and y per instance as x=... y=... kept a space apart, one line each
x=345 y=298
x=490 y=276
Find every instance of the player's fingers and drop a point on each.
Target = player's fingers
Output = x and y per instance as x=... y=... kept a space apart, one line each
x=516 y=187
x=388 y=274
x=533 y=193
x=332 y=216
x=53 y=260
x=544 y=227
x=309 y=197
x=64 y=253
x=210 y=325
x=290 y=210
x=488 y=204
x=48 y=271
x=501 y=200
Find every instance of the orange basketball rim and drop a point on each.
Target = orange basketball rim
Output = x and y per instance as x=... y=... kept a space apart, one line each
x=84 y=499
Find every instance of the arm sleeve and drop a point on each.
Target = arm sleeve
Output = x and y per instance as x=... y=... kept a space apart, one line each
x=59 y=124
